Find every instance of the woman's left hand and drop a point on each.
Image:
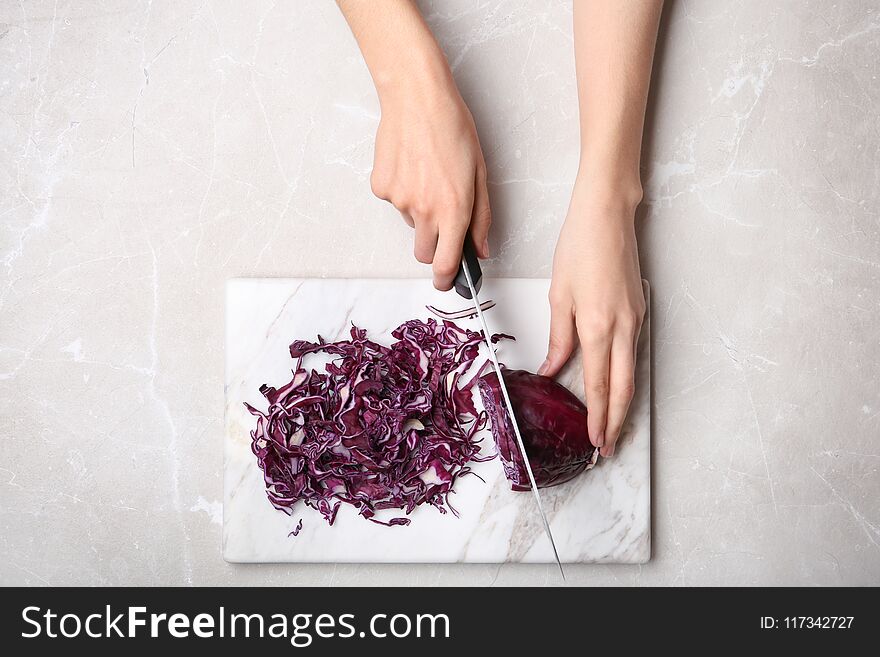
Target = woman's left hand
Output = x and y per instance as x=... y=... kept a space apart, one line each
x=596 y=299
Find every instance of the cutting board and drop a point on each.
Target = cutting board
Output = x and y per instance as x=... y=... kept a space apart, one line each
x=601 y=516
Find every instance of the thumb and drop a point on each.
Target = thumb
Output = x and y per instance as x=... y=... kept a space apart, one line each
x=563 y=338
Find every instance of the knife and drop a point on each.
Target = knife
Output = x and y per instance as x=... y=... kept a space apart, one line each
x=468 y=283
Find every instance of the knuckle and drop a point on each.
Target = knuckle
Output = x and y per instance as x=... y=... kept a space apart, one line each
x=597 y=327
x=630 y=322
x=379 y=184
x=557 y=299
x=483 y=216
x=445 y=269
x=423 y=256
x=557 y=343
x=599 y=387
x=451 y=201
x=419 y=207
x=636 y=315
x=625 y=391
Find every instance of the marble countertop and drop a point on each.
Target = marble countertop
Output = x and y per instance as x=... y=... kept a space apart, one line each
x=152 y=150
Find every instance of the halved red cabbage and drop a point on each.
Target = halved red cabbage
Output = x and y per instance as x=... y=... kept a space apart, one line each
x=381 y=428
x=552 y=422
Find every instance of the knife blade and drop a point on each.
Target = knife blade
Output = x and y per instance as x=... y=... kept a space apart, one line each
x=470 y=271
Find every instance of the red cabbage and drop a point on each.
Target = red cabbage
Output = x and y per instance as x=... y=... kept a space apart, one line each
x=464 y=313
x=380 y=428
x=552 y=422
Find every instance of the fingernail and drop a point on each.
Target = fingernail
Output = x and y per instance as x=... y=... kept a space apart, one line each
x=544 y=366
x=486 y=248
x=610 y=451
x=600 y=439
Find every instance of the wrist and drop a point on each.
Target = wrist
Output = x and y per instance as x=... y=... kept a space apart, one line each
x=422 y=75
x=398 y=47
x=607 y=188
x=609 y=167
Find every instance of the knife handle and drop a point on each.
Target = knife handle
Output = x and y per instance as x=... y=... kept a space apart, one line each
x=468 y=255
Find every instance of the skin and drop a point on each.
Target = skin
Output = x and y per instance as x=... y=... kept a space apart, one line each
x=429 y=165
x=596 y=296
x=428 y=162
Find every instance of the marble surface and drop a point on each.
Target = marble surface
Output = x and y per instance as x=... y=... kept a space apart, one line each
x=150 y=151
x=603 y=516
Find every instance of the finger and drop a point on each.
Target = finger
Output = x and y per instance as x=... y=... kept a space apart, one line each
x=407 y=219
x=447 y=257
x=425 y=242
x=563 y=338
x=622 y=388
x=640 y=319
x=481 y=218
x=596 y=354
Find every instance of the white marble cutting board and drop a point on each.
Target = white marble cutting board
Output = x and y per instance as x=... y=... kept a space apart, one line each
x=601 y=516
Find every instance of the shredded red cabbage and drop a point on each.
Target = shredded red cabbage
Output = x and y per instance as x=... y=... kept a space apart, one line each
x=464 y=313
x=552 y=423
x=380 y=428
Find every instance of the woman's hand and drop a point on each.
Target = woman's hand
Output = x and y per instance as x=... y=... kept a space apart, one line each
x=596 y=299
x=428 y=162
x=429 y=165
x=596 y=294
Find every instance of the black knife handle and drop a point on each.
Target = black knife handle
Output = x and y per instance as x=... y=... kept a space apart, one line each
x=469 y=255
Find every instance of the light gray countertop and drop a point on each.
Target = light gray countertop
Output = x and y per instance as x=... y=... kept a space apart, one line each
x=150 y=151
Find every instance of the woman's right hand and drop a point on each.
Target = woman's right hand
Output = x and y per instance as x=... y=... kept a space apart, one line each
x=429 y=165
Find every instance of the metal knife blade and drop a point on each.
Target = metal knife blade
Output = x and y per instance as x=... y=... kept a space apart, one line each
x=487 y=335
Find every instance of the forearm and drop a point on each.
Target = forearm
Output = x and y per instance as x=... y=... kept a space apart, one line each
x=401 y=53
x=614 y=49
x=427 y=160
